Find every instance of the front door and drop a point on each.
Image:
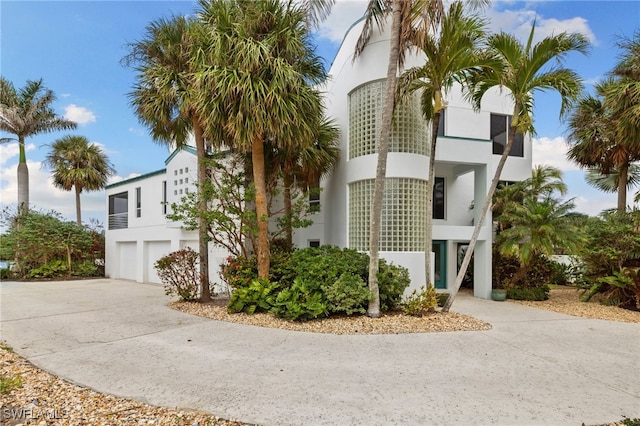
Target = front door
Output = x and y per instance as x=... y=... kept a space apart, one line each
x=439 y=248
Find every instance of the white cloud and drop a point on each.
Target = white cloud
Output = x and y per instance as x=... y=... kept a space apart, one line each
x=343 y=14
x=552 y=152
x=116 y=179
x=594 y=205
x=136 y=131
x=519 y=22
x=80 y=115
x=10 y=150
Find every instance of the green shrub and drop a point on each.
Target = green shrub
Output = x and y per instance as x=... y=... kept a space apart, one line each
x=348 y=294
x=86 y=269
x=5 y=273
x=7 y=383
x=179 y=272
x=258 y=296
x=442 y=298
x=239 y=271
x=51 y=269
x=420 y=302
x=299 y=302
x=537 y=293
x=393 y=280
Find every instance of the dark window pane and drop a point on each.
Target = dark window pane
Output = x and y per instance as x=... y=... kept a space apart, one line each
x=438 y=198
x=441 y=124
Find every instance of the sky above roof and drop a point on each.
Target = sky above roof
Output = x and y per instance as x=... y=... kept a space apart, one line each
x=76 y=47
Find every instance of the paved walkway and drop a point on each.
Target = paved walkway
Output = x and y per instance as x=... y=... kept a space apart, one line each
x=533 y=367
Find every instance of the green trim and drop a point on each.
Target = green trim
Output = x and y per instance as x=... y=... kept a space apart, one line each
x=186 y=148
x=137 y=178
x=458 y=138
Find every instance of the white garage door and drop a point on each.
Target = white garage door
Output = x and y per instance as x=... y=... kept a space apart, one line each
x=155 y=250
x=127 y=259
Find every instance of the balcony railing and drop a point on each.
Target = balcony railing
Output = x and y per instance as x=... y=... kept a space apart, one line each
x=119 y=220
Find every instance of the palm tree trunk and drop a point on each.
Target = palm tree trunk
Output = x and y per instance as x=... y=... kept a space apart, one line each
x=381 y=168
x=428 y=241
x=203 y=236
x=483 y=214
x=78 y=209
x=23 y=179
x=623 y=181
x=262 y=213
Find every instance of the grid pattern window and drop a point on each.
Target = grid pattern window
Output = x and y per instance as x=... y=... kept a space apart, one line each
x=410 y=131
x=403 y=214
x=499 y=133
x=138 y=202
x=119 y=211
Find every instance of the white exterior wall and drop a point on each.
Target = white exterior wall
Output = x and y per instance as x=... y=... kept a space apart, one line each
x=132 y=252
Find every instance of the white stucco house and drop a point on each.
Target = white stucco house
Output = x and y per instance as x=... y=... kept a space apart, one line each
x=469 y=148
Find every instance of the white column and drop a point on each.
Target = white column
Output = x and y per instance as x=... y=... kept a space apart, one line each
x=482 y=257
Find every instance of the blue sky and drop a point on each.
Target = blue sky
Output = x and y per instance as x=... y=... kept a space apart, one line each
x=76 y=47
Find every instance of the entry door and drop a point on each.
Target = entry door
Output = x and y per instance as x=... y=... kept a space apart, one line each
x=439 y=248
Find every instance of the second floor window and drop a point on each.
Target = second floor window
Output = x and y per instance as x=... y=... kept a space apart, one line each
x=499 y=132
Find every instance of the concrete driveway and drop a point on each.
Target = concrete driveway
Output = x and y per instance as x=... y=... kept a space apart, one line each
x=533 y=368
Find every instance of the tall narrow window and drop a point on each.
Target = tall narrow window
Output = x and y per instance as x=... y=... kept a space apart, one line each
x=441 y=123
x=499 y=132
x=138 y=202
x=164 y=197
x=314 y=196
x=438 y=198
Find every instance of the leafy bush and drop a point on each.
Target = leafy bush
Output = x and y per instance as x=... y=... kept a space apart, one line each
x=42 y=241
x=86 y=269
x=420 y=302
x=348 y=294
x=622 y=288
x=299 y=302
x=537 y=293
x=340 y=276
x=5 y=273
x=393 y=280
x=258 y=296
x=51 y=269
x=442 y=298
x=179 y=272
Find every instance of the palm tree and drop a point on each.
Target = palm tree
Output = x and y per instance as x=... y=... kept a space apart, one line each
x=597 y=142
x=263 y=92
x=304 y=168
x=24 y=113
x=163 y=100
x=402 y=31
x=524 y=71
x=411 y=21
x=78 y=165
x=538 y=227
x=611 y=182
x=450 y=53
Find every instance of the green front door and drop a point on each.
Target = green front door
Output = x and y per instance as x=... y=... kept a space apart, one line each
x=440 y=265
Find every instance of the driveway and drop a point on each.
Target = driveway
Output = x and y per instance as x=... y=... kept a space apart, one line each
x=533 y=368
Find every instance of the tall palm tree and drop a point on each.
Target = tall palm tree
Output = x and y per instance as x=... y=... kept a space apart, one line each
x=411 y=21
x=163 y=99
x=597 y=142
x=263 y=92
x=451 y=52
x=611 y=182
x=402 y=31
x=79 y=165
x=524 y=71
x=24 y=113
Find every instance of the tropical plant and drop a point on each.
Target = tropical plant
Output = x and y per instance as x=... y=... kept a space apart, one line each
x=524 y=70
x=178 y=271
x=24 y=113
x=450 y=53
x=78 y=165
x=264 y=91
x=163 y=99
x=597 y=143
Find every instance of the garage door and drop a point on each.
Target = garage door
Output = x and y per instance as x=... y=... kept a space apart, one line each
x=155 y=250
x=127 y=259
